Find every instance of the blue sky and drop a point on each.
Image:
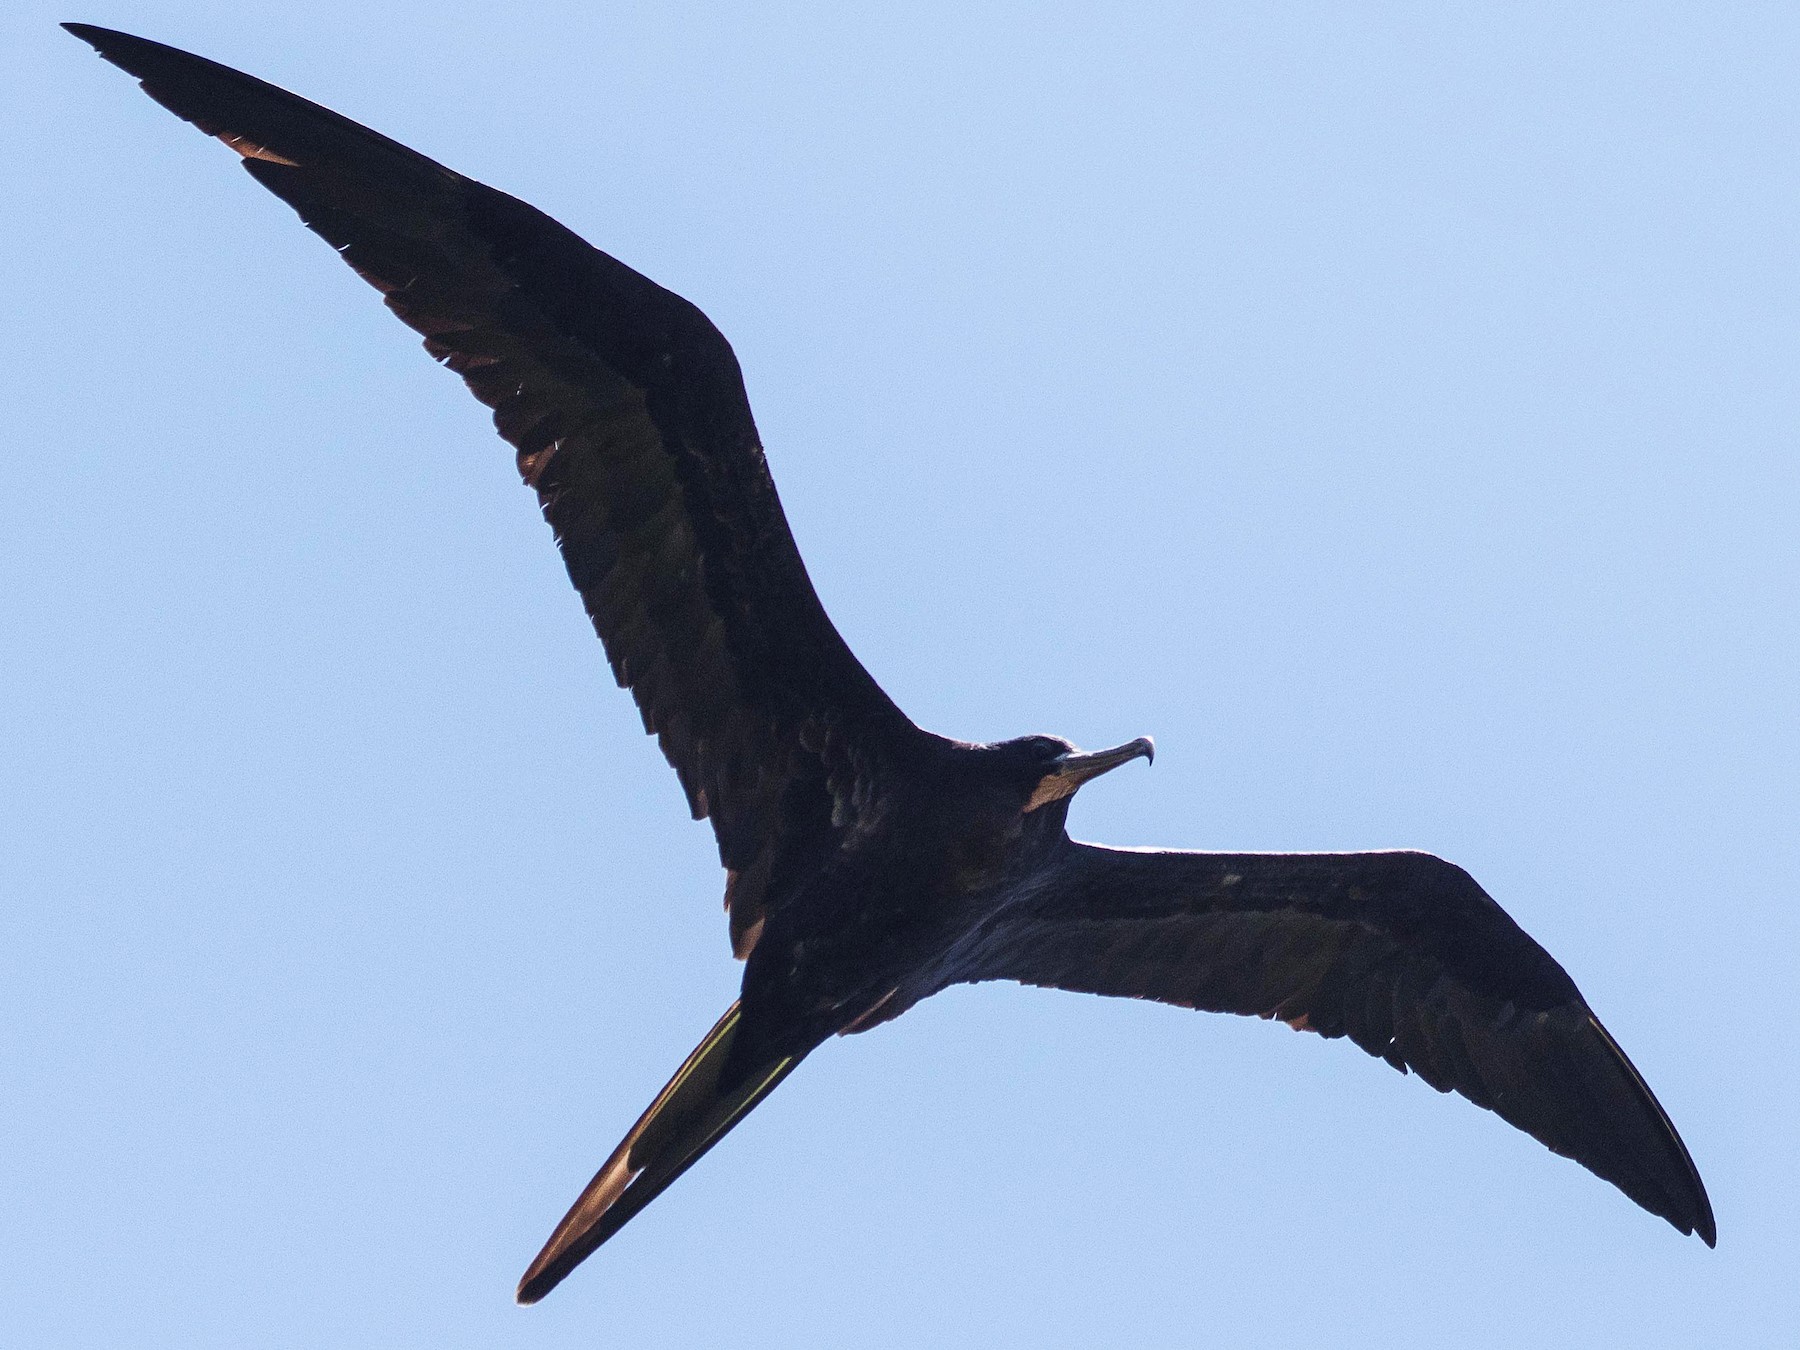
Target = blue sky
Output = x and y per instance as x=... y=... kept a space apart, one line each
x=1391 y=408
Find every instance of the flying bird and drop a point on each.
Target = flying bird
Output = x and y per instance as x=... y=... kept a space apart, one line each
x=870 y=863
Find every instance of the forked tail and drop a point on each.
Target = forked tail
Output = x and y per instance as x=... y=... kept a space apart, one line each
x=688 y=1117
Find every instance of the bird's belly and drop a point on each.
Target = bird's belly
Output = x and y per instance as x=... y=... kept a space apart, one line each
x=851 y=962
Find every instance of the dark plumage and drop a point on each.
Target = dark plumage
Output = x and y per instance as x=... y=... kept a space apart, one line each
x=869 y=863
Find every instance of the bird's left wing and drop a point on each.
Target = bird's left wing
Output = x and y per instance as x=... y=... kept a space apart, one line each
x=1402 y=952
x=627 y=411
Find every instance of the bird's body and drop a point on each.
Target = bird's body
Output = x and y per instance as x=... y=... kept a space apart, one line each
x=876 y=927
x=870 y=863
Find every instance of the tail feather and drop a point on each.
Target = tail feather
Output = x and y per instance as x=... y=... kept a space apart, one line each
x=688 y=1117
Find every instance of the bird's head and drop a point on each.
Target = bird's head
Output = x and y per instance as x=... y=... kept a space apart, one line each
x=1047 y=769
x=998 y=806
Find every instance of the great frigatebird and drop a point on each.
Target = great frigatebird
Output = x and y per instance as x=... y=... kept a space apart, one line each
x=870 y=863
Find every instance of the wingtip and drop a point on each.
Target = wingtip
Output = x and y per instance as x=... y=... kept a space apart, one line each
x=134 y=55
x=1707 y=1230
x=100 y=38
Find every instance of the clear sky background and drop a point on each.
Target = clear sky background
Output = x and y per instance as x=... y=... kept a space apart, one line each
x=1390 y=407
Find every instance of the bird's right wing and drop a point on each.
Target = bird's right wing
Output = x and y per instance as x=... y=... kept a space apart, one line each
x=1401 y=952
x=627 y=410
